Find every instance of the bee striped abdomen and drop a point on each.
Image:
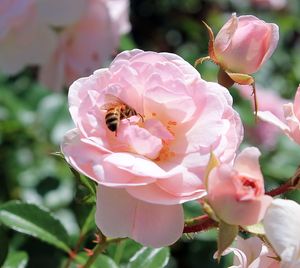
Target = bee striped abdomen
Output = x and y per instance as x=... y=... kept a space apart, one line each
x=112 y=119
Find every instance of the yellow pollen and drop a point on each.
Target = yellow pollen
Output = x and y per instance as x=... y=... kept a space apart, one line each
x=165 y=152
x=170 y=130
x=173 y=123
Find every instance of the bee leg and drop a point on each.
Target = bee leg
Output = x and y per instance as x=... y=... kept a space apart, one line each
x=125 y=117
x=141 y=117
x=116 y=133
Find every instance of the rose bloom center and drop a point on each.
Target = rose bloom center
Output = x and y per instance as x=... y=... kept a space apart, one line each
x=247 y=187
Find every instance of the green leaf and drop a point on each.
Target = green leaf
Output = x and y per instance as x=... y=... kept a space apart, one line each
x=89 y=222
x=32 y=220
x=3 y=246
x=131 y=247
x=17 y=259
x=212 y=163
x=86 y=192
x=242 y=79
x=102 y=261
x=150 y=258
x=226 y=236
x=127 y=43
x=257 y=229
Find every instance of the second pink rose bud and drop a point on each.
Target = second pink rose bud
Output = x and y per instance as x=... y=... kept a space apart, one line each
x=236 y=194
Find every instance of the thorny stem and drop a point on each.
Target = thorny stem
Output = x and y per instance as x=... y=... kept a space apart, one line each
x=200 y=223
x=73 y=253
x=99 y=249
x=291 y=184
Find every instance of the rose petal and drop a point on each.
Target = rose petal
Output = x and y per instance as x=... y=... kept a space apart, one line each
x=94 y=162
x=297 y=103
x=154 y=194
x=140 y=140
x=272 y=119
x=247 y=163
x=120 y=215
x=281 y=223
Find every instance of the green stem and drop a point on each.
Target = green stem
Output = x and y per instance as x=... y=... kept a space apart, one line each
x=201 y=223
x=291 y=184
x=100 y=248
x=97 y=250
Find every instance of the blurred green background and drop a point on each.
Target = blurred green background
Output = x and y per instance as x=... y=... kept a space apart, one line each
x=33 y=120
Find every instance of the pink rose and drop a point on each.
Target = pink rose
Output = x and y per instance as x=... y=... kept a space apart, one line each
x=291 y=126
x=244 y=44
x=87 y=44
x=263 y=133
x=236 y=194
x=153 y=163
x=252 y=253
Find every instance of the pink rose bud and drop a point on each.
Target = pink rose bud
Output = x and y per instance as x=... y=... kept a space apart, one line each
x=245 y=43
x=236 y=194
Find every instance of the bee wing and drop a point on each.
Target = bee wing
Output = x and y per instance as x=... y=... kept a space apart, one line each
x=110 y=101
x=109 y=98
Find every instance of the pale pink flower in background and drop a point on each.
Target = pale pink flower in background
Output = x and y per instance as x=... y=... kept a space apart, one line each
x=61 y=13
x=119 y=12
x=236 y=194
x=245 y=43
x=282 y=227
x=272 y=4
x=291 y=124
x=86 y=45
x=13 y=14
x=263 y=133
x=156 y=163
x=252 y=253
x=66 y=38
x=24 y=38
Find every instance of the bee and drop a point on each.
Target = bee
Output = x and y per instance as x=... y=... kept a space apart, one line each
x=116 y=110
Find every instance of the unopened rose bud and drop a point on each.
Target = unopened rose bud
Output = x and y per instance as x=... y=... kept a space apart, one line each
x=245 y=43
x=236 y=194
